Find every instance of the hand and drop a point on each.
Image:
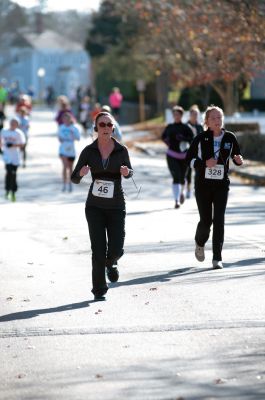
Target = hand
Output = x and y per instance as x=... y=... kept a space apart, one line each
x=238 y=159
x=124 y=170
x=211 y=162
x=84 y=170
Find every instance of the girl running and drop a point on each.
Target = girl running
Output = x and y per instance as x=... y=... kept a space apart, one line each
x=209 y=154
x=67 y=135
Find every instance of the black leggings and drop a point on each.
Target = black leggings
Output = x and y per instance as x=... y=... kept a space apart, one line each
x=177 y=169
x=11 y=178
x=211 y=201
x=107 y=234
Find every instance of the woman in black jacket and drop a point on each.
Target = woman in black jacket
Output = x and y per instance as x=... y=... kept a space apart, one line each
x=108 y=162
x=209 y=154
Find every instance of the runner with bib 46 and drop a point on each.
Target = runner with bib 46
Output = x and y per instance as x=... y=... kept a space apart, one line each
x=108 y=161
x=209 y=154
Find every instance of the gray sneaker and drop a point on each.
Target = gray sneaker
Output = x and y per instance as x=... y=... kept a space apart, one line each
x=217 y=264
x=199 y=252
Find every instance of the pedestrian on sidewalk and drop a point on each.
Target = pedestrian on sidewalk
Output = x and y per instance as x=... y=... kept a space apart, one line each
x=115 y=101
x=12 y=141
x=177 y=136
x=209 y=154
x=68 y=133
x=197 y=128
x=108 y=162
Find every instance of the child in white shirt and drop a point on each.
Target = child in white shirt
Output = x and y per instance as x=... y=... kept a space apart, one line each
x=12 y=141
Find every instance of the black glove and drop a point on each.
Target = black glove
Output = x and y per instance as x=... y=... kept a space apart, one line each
x=9 y=144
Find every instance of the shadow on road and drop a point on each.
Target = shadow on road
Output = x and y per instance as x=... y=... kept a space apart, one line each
x=161 y=277
x=35 y=313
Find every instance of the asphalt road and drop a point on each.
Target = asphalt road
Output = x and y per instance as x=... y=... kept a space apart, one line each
x=171 y=328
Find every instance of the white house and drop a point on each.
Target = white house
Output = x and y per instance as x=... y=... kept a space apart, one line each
x=41 y=60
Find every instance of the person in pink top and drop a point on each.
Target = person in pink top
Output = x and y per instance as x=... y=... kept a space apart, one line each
x=115 y=100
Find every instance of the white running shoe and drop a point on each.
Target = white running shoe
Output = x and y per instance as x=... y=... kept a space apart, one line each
x=217 y=264
x=199 y=252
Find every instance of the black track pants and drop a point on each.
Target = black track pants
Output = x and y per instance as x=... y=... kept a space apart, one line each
x=177 y=169
x=107 y=234
x=211 y=201
x=11 y=178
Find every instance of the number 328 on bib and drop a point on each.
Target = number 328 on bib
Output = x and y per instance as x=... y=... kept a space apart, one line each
x=216 y=172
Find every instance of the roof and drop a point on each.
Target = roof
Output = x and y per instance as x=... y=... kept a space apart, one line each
x=48 y=39
x=51 y=40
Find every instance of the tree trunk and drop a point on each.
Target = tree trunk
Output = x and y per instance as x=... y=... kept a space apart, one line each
x=162 y=89
x=228 y=93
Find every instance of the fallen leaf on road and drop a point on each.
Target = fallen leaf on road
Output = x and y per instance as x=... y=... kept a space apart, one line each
x=98 y=376
x=65 y=238
x=135 y=295
x=99 y=311
x=26 y=300
x=20 y=376
x=9 y=298
x=153 y=288
x=30 y=263
x=219 y=381
x=146 y=303
x=30 y=276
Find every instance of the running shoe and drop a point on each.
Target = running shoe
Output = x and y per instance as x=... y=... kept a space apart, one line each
x=199 y=252
x=7 y=195
x=177 y=204
x=217 y=264
x=13 y=196
x=188 y=194
x=113 y=274
x=182 y=198
x=98 y=297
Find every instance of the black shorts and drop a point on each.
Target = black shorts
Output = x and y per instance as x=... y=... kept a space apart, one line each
x=68 y=158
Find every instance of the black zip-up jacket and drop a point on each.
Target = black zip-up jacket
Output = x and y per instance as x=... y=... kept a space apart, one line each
x=91 y=156
x=202 y=149
x=175 y=134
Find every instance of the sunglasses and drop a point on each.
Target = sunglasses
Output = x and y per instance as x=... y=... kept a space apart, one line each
x=103 y=124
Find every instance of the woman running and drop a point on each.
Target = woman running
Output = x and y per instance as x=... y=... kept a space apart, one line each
x=209 y=154
x=108 y=162
x=177 y=137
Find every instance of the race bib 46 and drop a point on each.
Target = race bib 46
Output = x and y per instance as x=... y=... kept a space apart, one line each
x=103 y=188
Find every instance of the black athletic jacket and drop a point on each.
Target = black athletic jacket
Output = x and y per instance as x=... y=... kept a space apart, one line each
x=91 y=156
x=202 y=149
